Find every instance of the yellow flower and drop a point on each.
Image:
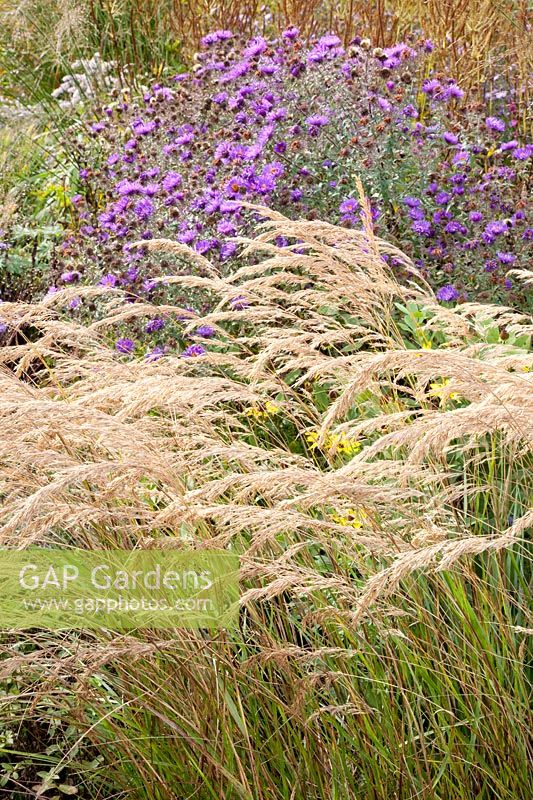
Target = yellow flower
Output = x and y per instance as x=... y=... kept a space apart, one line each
x=345 y=445
x=269 y=409
x=438 y=390
x=355 y=518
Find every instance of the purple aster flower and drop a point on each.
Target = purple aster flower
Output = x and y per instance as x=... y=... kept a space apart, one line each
x=315 y=122
x=3 y=328
x=506 y=258
x=508 y=145
x=125 y=345
x=460 y=157
x=205 y=331
x=440 y=215
x=226 y=228
x=475 y=216
x=154 y=325
x=453 y=91
x=422 y=227
x=443 y=198
x=264 y=184
x=149 y=285
x=216 y=36
x=127 y=187
x=454 y=227
x=227 y=250
x=329 y=40
x=255 y=47
x=144 y=209
x=156 y=353
x=205 y=245
x=187 y=236
x=448 y=293
x=492 y=230
x=151 y=189
x=291 y=33
x=239 y=303
x=141 y=128
x=450 y=138
x=193 y=350
x=349 y=206
x=274 y=169
x=410 y=111
x=523 y=153
x=495 y=124
x=384 y=104
x=108 y=280
x=432 y=87
x=70 y=277
x=235 y=72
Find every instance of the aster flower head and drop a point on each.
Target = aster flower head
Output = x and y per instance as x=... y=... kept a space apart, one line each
x=506 y=258
x=291 y=33
x=239 y=303
x=108 y=280
x=155 y=353
x=315 y=122
x=205 y=331
x=349 y=206
x=255 y=47
x=453 y=91
x=510 y=145
x=422 y=227
x=455 y=227
x=141 y=128
x=125 y=346
x=447 y=293
x=431 y=87
x=193 y=351
x=144 y=209
x=523 y=153
x=227 y=250
x=495 y=124
x=216 y=36
x=450 y=138
x=71 y=276
x=154 y=325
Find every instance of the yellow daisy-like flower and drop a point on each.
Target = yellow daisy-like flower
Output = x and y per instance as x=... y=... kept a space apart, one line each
x=353 y=517
x=269 y=409
x=345 y=445
x=438 y=390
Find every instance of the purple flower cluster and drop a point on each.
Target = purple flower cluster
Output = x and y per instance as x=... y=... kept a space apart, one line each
x=288 y=125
